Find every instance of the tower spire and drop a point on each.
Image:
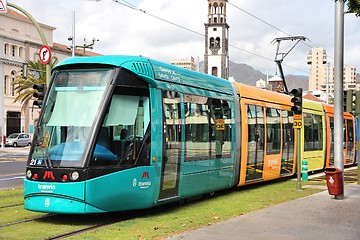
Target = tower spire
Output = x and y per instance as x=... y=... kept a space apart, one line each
x=216 y=59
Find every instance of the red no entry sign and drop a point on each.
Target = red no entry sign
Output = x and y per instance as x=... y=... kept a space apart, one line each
x=3 y=6
x=45 y=54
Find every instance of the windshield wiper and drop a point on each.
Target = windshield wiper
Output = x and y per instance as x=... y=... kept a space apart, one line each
x=47 y=160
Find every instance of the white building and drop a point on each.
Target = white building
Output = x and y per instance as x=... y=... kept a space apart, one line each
x=185 y=63
x=320 y=69
x=20 y=42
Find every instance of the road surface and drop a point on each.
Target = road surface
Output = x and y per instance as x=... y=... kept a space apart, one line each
x=12 y=166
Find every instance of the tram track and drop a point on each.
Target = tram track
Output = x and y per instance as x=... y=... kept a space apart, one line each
x=13 y=205
x=84 y=230
x=113 y=218
x=92 y=222
x=27 y=220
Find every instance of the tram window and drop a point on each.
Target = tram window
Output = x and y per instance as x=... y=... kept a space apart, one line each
x=350 y=140
x=173 y=123
x=273 y=131
x=69 y=104
x=172 y=141
x=207 y=128
x=331 y=161
x=197 y=136
x=313 y=132
x=287 y=158
x=227 y=136
x=220 y=115
x=130 y=114
x=255 y=161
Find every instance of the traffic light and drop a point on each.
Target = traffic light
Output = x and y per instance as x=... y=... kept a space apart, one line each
x=344 y=100
x=357 y=102
x=24 y=70
x=297 y=100
x=39 y=94
x=349 y=102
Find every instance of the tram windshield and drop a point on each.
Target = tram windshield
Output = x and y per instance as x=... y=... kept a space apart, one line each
x=72 y=105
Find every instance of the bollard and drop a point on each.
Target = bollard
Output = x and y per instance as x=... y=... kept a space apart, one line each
x=304 y=170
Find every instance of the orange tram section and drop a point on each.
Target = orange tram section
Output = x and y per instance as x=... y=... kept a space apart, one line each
x=268 y=145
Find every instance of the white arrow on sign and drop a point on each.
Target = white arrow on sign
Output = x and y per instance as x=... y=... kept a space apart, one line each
x=44 y=54
x=3 y=6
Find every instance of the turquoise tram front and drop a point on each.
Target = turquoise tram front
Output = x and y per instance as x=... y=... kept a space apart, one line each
x=119 y=133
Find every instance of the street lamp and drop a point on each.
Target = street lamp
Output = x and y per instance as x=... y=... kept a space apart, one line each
x=87 y=45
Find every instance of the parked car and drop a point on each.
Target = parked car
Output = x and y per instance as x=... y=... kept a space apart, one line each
x=18 y=139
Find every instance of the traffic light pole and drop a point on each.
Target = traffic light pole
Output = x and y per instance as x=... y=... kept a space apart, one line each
x=298 y=159
x=297 y=125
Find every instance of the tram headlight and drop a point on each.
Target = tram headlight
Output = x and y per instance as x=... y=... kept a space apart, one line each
x=74 y=175
x=28 y=174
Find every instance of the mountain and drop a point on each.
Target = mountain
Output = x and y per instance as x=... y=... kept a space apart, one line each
x=246 y=74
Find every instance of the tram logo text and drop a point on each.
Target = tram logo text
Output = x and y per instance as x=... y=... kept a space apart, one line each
x=46 y=187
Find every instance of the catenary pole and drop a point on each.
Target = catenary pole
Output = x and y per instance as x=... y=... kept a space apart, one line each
x=338 y=89
x=73 y=35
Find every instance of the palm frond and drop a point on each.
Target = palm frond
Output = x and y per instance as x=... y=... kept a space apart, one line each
x=23 y=87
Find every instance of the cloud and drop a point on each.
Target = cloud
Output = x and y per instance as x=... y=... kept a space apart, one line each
x=253 y=25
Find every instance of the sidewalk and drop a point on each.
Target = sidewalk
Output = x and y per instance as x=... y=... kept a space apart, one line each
x=20 y=150
x=14 y=154
x=318 y=216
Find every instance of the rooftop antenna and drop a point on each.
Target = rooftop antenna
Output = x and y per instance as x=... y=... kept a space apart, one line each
x=279 y=57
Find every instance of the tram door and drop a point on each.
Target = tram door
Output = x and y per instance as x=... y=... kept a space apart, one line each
x=171 y=145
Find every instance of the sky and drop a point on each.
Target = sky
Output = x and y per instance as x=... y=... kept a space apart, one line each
x=181 y=32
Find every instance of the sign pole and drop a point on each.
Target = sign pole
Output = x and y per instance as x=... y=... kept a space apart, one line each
x=298 y=159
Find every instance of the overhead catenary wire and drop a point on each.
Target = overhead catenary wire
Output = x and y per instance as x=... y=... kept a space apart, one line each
x=272 y=26
x=133 y=7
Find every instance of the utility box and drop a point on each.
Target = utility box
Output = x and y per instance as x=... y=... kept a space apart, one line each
x=334 y=181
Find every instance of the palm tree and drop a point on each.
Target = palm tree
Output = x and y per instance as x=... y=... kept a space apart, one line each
x=24 y=86
x=354 y=7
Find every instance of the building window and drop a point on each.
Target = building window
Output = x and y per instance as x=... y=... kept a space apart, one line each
x=13 y=53
x=12 y=87
x=21 y=52
x=6 y=48
x=5 y=84
x=214 y=71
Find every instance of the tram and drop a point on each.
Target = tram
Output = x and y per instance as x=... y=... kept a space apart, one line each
x=118 y=133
